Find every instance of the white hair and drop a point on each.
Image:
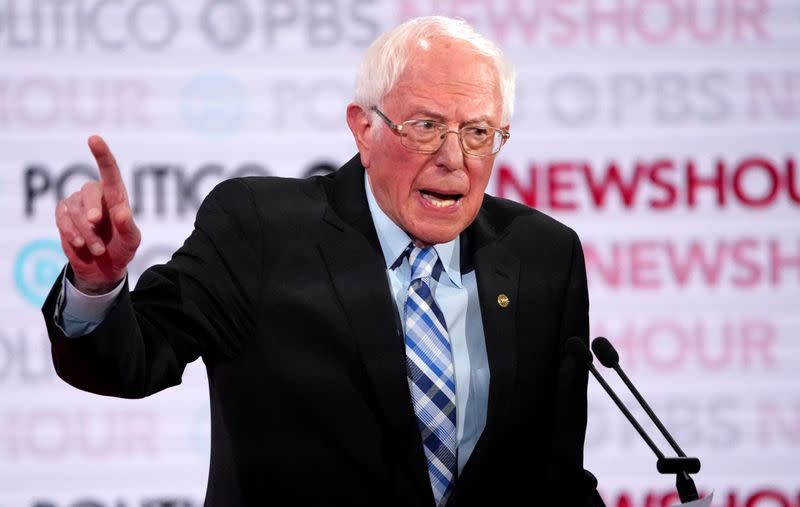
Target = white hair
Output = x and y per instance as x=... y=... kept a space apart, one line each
x=385 y=59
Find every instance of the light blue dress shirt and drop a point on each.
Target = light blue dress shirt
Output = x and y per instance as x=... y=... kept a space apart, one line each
x=456 y=294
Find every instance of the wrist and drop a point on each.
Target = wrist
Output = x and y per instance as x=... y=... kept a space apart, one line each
x=95 y=289
x=91 y=288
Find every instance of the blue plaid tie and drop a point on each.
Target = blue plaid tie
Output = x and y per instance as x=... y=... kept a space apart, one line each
x=431 y=378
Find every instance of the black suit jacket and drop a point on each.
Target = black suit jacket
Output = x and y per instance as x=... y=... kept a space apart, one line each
x=281 y=289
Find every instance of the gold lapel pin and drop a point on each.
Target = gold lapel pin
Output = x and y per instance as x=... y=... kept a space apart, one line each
x=502 y=300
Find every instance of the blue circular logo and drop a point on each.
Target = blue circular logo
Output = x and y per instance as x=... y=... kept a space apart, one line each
x=213 y=104
x=36 y=268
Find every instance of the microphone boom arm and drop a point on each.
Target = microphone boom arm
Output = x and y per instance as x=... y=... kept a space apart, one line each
x=681 y=466
x=627 y=412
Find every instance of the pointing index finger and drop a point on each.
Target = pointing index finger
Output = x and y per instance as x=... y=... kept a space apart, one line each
x=106 y=164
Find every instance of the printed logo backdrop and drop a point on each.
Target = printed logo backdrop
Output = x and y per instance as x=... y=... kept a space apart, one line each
x=666 y=132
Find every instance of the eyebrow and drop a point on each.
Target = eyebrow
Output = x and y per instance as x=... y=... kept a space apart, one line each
x=429 y=114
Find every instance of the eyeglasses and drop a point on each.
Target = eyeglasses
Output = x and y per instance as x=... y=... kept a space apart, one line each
x=427 y=136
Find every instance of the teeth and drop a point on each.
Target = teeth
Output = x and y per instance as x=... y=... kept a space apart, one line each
x=439 y=203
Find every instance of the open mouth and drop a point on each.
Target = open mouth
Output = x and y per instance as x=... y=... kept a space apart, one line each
x=440 y=200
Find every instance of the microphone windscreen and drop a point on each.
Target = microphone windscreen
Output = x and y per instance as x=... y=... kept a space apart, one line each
x=605 y=352
x=577 y=349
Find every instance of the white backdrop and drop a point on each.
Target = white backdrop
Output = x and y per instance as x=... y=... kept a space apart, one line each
x=666 y=132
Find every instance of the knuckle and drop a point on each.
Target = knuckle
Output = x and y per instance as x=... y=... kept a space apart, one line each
x=89 y=235
x=80 y=223
x=74 y=211
x=67 y=230
x=90 y=189
x=73 y=200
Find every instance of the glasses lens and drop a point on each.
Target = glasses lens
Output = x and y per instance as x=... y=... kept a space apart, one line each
x=423 y=135
x=498 y=141
x=479 y=140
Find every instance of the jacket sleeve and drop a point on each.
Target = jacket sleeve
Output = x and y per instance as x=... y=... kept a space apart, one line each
x=201 y=303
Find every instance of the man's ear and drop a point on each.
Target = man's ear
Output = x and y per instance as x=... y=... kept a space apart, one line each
x=360 y=123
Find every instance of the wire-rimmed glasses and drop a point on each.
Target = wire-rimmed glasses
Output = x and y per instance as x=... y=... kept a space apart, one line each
x=427 y=136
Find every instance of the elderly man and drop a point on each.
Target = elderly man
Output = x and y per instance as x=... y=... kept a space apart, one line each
x=386 y=335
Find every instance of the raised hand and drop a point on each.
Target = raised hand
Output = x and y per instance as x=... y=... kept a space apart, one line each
x=98 y=234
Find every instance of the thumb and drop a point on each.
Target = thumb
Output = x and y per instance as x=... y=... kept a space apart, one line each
x=122 y=219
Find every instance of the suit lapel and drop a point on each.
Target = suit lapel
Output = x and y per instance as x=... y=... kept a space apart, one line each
x=353 y=255
x=497 y=274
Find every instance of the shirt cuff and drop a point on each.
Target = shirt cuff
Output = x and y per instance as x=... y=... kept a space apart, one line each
x=86 y=307
x=78 y=314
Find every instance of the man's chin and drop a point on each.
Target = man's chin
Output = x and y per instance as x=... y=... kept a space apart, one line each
x=427 y=237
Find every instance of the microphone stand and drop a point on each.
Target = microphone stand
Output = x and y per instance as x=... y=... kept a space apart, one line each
x=681 y=466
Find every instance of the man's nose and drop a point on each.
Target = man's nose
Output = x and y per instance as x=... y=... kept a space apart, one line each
x=449 y=153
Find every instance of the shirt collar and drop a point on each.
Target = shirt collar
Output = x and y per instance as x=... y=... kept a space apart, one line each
x=394 y=240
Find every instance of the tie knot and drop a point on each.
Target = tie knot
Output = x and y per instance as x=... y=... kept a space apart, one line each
x=422 y=261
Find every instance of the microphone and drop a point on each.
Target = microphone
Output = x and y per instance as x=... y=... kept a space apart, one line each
x=608 y=357
x=681 y=466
